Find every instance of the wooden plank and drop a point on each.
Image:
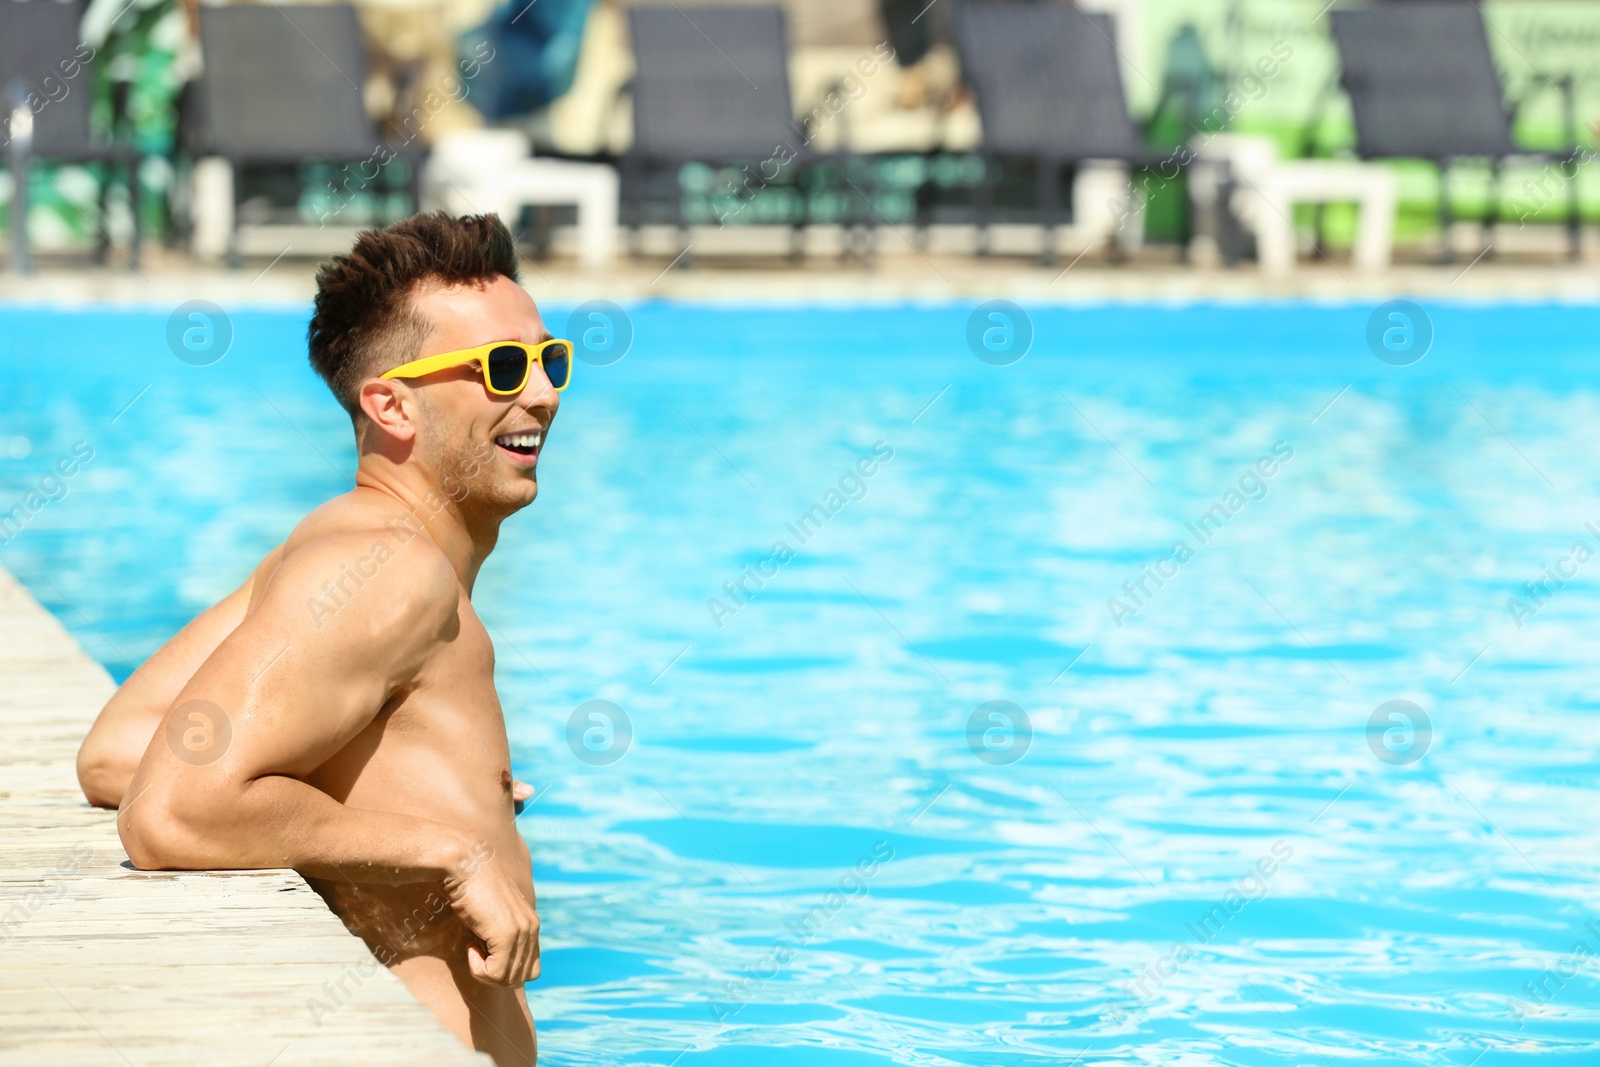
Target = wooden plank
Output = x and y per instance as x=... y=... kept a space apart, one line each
x=102 y=964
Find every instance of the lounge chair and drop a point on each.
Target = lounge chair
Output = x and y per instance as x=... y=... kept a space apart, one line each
x=711 y=85
x=44 y=63
x=1048 y=86
x=282 y=85
x=1423 y=86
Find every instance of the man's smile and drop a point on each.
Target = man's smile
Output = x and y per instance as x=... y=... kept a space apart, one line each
x=522 y=446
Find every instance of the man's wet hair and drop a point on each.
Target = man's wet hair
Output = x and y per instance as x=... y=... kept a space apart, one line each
x=366 y=320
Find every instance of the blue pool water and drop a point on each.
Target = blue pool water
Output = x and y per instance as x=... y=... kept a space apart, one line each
x=819 y=845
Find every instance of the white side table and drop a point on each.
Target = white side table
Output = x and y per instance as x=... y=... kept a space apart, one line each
x=1269 y=187
x=480 y=171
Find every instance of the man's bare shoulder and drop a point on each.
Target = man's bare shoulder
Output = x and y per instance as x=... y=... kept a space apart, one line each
x=362 y=574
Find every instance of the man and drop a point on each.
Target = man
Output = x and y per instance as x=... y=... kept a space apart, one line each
x=337 y=714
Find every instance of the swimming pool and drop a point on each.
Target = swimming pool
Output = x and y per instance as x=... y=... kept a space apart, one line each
x=950 y=778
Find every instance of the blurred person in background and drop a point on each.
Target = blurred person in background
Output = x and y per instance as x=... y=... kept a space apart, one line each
x=412 y=55
x=924 y=43
x=917 y=28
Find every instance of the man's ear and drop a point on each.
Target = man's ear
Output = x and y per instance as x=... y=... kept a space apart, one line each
x=390 y=406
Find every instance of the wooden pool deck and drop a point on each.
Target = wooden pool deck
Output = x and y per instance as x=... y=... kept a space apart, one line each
x=102 y=964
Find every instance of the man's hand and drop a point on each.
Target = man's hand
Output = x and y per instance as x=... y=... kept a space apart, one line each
x=491 y=905
x=520 y=793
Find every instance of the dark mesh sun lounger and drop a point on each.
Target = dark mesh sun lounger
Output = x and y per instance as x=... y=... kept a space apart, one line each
x=1048 y=85
x=282 y=84
x=711 y=85
x=1423 y=85
x=40 y=52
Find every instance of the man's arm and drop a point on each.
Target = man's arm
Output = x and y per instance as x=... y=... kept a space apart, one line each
x=284 y=692
x=121 y=733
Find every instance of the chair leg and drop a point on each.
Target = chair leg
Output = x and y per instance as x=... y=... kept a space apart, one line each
x=1230 y=235
x=1574 y=220
x=174 y=205
x=1447 y=253
x=1114 y=251
x=630 y=180
x=1491 y=216
x=174 y=227
x=869 y=242
x=134 y=202
x=1186 y=226
x=21 y=168
x=632 y=212
x=542 y=230
x=848 y=220
x=235 y=258
x=851 y=219
x=102 y=251
x=922 y=200
x=685 y=259
x=1049 y=183
x=983 y=202
x=869 y=221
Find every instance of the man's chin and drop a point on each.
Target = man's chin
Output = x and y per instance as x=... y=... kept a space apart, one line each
x=521 y=491
x=500 y=501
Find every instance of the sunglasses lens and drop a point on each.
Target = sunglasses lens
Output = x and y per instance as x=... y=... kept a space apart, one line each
x=558 y=364
x=508 y=369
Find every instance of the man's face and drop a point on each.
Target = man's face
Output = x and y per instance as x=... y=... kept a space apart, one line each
x=484 y=447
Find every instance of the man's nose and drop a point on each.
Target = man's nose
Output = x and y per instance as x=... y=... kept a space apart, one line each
x=538 y=392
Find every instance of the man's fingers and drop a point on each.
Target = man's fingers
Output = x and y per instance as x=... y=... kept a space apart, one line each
x=530 y=961
x=505 y=948
x=521 y=956
x=513 y=962
x=506 y=964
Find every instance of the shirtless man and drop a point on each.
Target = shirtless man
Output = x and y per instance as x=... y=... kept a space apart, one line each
x=337 y=714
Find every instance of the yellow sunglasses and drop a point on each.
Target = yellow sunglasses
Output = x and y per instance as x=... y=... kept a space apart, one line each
x=506 y=364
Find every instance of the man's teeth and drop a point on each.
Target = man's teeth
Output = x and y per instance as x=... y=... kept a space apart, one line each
x=519 y=440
